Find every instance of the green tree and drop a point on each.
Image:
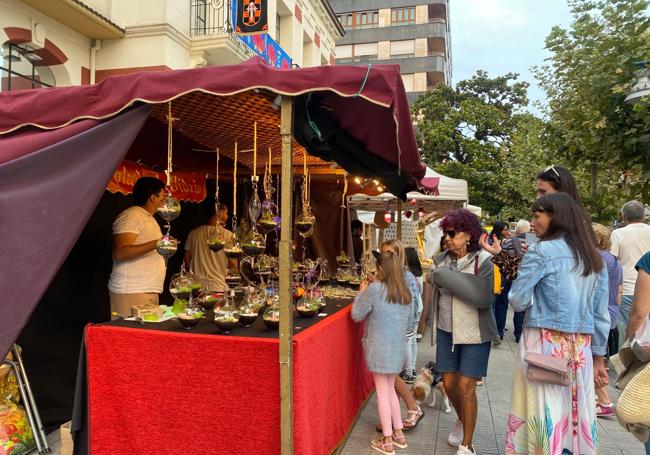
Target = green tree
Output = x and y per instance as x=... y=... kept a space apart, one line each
x=480 y=132
x=586 y=79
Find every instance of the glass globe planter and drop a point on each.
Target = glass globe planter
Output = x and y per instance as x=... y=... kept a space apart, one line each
x=268 y=220
x=271 y=317
x=227 y=317
x=181 y=287
x=233 y=250
x=308 y=307
x=210 y=300
x=255 y=246
x=167 y=246
x=169 y=209
x=248 y=313
x=191 y=316
x=304 y=223
x=216 y=244
x=233 y=278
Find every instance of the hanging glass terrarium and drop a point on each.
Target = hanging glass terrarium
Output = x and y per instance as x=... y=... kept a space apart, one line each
x=233 y=278
x=217 y=241
x=255 y=246
x=268 y=220
x=167 y=246
x=304 y=223
x=169 y=209
x=228 y=316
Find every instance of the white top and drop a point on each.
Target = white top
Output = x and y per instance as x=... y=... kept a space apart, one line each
x=206 y=264
x=145 y=273
x=629 y=243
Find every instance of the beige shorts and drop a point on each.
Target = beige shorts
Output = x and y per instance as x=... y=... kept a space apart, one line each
x=122 y=303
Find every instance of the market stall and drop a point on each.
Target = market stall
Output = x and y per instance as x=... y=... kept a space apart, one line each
x=446 y=194
x=55 y=162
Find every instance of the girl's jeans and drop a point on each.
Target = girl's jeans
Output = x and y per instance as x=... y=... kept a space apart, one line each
x=387 y=403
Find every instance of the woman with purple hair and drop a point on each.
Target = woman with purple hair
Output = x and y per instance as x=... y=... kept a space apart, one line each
x=460 y=290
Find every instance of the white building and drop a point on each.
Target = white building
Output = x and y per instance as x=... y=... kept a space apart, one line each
x=70 y=42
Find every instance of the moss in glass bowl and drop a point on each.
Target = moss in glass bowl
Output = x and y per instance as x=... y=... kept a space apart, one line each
x=266 y=224
x=343 y=260
x=208 y=300
x=253 y=249
x=188 y=320
x=233 y=252
x=216 y=245
x=181 y=292
x=179 y=306
x=303 y=226
x=226 y=323
x=308 y=308
x=248 y=318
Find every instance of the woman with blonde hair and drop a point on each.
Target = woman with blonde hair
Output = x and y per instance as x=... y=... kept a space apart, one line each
x=605 y=407
x=386 y=306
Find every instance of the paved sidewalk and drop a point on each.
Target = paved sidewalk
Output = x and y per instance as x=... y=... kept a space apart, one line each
x=430 y=437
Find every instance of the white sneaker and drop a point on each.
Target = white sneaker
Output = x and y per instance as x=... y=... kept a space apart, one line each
x=455 y=438
x=462 y=450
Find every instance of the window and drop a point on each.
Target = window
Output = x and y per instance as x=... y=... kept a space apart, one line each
x=22 y=68
x=402 y=49
x=403 y=16
x=408 y=80
x=277 y=27
x=359 y=20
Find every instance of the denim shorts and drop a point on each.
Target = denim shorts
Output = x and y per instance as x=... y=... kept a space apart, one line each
x=470 y=360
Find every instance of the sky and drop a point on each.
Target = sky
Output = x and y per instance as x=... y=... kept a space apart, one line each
x=502 y=36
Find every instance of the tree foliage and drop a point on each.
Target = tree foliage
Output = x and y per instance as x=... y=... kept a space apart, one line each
x=586 y=79
x=480 y=132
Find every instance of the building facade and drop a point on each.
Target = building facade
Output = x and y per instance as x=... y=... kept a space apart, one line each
x=414 y=34
x=69 y=42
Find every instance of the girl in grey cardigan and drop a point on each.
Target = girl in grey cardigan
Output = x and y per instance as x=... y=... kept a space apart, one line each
x=386 y=306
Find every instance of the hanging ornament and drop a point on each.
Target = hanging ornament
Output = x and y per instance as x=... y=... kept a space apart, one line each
x=232 y=249
x=387 y=216
x=304 y=222
x=421 y=213
x=267 y=222
x=170 y=208
x=216 y=241
x=254 y=205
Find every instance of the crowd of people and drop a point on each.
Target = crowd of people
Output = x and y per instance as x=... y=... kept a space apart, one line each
x=578 y=291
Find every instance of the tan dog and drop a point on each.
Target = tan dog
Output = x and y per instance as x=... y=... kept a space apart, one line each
x=427 y=382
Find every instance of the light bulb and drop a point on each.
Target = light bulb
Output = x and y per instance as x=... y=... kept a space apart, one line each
x=357 y=180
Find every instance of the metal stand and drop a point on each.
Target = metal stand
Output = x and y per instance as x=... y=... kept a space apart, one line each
x=28 y=400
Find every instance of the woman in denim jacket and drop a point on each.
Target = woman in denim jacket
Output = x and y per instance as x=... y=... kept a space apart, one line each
x=562 y=283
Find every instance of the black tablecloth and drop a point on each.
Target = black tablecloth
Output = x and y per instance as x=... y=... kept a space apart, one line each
x=258 y=329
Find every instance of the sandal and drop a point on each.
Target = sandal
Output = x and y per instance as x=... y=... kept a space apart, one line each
x=400 y=441
x=381 y=445
x=413 y=419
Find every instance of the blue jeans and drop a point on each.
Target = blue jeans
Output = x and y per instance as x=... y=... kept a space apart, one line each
x=647 y=447
x=501 y=308
x=623 y=316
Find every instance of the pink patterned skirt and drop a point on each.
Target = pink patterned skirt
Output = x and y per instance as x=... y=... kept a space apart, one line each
x=551 y=419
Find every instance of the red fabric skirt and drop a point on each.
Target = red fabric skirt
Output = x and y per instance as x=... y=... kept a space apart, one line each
x=162 y=392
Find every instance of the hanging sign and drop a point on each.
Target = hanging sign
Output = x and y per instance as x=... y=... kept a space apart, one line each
x=252 y=17
x=186 y=186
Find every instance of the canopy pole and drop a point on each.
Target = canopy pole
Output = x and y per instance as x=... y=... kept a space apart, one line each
x=399 y=220
x=286 y=307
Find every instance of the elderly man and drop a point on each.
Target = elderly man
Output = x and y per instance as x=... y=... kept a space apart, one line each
x=629 y=244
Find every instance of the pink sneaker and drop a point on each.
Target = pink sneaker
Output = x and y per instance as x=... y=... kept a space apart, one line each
x=605 y=410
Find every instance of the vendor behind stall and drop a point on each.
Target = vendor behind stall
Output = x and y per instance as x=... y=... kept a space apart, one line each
x=204 y=263
x=138 y=270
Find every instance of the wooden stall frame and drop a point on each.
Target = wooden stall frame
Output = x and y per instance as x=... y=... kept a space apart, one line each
x=285 y=258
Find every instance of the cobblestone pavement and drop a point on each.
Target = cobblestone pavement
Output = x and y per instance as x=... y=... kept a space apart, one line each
x=430 y=437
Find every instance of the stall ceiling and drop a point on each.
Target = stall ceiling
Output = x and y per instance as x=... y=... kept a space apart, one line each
x=217 y=122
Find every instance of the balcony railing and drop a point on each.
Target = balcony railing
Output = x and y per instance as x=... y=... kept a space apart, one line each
x=210 y=17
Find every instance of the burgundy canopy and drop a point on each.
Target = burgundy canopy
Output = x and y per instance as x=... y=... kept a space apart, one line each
x=60 y=146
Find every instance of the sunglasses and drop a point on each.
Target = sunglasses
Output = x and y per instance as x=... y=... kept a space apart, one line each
x=552 y=168
x=451 y=234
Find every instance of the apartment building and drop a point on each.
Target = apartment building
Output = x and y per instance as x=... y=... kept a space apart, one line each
x=69 y=42
x=412 y=33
